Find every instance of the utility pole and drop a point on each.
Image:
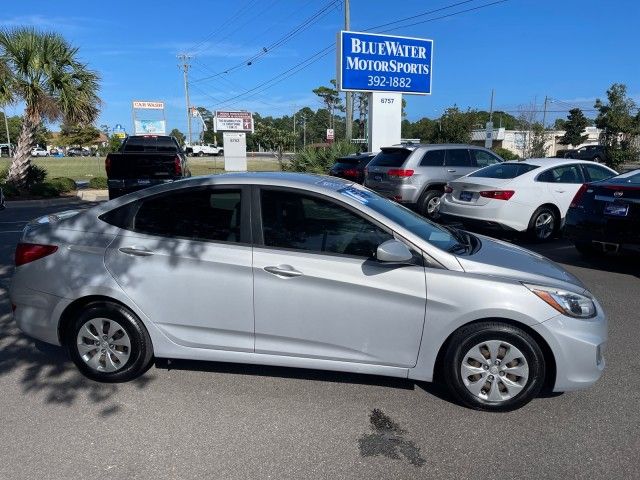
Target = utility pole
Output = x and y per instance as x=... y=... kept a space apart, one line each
x=304 y=130
x=349 y=97
x=491 y=107
x=294 y=128
x=544 y=113
x=184 y=58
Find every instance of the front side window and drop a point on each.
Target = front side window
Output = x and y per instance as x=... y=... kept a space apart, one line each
x=303 y=222
x=595 y=173
x=458 y=157
x=198 y=214
x=480 y=158
x=433 y=158
x=564 y=174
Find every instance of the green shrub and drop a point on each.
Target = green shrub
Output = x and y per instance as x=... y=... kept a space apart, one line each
x=45 y=189
x=504 y=153
x=99 y=183
x=319 y=159
x=63 y=184
x=9 y=190
x=4 y=173
x=35 y=174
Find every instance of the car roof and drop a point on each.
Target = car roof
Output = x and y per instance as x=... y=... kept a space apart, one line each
x=550 y=162
x=413 y=146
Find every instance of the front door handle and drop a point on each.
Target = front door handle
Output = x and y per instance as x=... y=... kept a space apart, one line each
x=137 y=251
x=560 y=191
x=283 y=271
x=451 y=170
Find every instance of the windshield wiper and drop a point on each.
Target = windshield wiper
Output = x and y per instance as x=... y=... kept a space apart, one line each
x=463 y=239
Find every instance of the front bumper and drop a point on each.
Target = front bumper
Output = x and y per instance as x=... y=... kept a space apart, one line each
x=578 y=347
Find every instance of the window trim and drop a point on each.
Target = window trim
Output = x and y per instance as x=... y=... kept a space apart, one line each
x=258 y=234
x=245 y=215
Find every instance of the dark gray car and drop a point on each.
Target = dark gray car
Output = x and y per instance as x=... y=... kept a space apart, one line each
x=415 y=175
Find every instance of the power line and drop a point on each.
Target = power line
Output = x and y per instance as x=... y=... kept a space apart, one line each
x=281 y=41
x=418 y=15
x=324 y=52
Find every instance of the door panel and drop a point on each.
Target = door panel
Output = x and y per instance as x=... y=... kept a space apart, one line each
x=562 y=185
x=457 y=163
x=339 y=308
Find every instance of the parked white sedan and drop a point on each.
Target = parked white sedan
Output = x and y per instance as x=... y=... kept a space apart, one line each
x=526 y=196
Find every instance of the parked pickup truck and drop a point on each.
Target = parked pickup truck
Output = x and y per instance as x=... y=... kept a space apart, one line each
x=202 y=150
x=143 y=161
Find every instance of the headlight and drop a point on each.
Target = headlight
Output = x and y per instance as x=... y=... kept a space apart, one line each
x=568 y=303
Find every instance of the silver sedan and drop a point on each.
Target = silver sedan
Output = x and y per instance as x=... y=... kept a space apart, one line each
x=303 y=271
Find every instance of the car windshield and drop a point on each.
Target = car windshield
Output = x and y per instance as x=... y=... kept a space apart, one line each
x=434 y=234
x=504 y=170
x=632 y=178
x=391 y=157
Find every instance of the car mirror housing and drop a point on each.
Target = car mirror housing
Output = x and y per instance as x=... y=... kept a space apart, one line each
x=393 y=251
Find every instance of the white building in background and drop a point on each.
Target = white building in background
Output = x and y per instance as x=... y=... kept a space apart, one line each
x=516 y=141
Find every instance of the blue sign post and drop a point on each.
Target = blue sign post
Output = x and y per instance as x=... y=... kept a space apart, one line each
x=369 y=62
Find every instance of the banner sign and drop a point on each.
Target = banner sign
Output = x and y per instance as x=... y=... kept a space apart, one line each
x=149 y=105
x=369 y=62
x=154 y=127
x=233 y=122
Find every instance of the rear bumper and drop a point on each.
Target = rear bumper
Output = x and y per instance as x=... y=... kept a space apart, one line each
x=34 y=313
x=497 y=214
x=623 y=234
x=578 y=347
x=404 y=193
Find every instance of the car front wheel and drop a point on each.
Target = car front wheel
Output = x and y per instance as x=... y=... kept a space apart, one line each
x=493 y=366
x=108 y=343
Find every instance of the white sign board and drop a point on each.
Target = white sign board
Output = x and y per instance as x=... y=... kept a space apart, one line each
x=233 y=122
x=149 y=127
x=148 y=105
x=235 y=151
x=330 y=134
x=488 y=139
x=385 y=116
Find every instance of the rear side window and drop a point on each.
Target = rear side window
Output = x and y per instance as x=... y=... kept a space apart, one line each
x=504 y=170
x=458 y=157
x=564 y=174
x=201 y=214
x=150 y=144
x=391 y=157
x=433 y=158
x=480 y=158
x=595 y=173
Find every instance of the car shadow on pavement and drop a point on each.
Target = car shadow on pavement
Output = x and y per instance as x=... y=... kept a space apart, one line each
x=41 y=368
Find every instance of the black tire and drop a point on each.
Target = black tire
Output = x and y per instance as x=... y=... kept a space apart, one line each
x=221 y=152
x=113 y=193
x=471 y=335
x=201 y=154
x=535 y=234
x=141 y=352
x=429 y=200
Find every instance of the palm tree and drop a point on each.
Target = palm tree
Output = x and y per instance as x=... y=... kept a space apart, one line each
x=42 y=70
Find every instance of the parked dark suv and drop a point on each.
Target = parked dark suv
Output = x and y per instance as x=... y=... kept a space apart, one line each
x=595 y=153
x=416 y=174
x=352 y=167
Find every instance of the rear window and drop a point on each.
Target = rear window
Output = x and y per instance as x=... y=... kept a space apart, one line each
x=504 y=170
x=629 y=178
x=150 y=144
x=391 y=158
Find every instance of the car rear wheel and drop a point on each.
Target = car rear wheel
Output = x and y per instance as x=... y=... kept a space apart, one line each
x=201 y=154
x=430 y=203
x=108 y=343
x=543 y=225
x=493 y=366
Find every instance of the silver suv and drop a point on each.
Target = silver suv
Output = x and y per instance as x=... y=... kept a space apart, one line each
x=416 y=174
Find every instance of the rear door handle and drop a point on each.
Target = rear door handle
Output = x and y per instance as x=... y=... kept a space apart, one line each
x=560 y=191
x=137 y=251
x=283 y=271
x=451 y=170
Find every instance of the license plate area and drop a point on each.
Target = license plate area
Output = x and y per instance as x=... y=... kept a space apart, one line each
x=466 y=196
x=377 y=177
x=616 y=209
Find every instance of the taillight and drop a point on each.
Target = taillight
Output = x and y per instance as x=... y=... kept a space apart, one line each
x=497 y=194
x=578 y=196
x=448 y=189
x=399 y=172
x=107 y=165
x=177 y=166
x=28 y=252
x=350 y=172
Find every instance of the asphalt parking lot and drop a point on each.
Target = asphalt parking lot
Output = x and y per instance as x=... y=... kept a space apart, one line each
x=207 y=421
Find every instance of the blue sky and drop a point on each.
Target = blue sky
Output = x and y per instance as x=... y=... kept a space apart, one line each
x=569 y=50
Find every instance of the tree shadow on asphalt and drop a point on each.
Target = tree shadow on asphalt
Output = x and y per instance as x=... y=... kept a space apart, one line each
x=45 y=369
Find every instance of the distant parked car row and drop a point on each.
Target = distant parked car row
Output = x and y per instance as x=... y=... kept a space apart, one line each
x=472 y=186
x=71 y=152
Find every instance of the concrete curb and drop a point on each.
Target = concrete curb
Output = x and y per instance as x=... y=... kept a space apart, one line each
x=93 y=195
x=81 y=196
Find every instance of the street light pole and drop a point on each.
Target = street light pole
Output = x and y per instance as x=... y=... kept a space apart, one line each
x=348 y=96
x=185 y=70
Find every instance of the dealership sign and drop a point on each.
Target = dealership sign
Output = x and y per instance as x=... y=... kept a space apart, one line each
x=148 y=105
x=233 y=122
x=369 y=62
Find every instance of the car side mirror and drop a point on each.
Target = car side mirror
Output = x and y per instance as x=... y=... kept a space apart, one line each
x=393 y=251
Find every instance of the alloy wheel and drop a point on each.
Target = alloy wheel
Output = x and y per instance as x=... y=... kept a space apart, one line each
x=494 y=371
x=544 y=225
x=104 y=345
x=432 y=206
